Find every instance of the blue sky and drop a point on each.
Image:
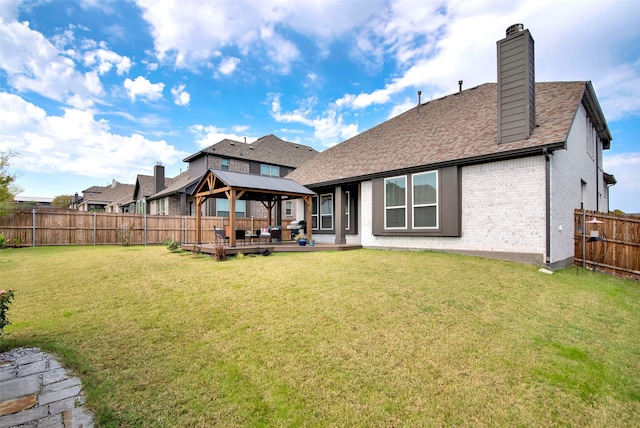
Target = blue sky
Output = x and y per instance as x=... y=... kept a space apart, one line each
x=97 y=90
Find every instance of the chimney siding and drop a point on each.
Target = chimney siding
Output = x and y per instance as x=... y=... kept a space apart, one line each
x=516 y=87
x=158 y=174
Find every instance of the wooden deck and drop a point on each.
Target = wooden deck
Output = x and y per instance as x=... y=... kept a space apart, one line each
x=274 y=247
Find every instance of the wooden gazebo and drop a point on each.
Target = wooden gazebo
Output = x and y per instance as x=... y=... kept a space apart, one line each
x=242 y=186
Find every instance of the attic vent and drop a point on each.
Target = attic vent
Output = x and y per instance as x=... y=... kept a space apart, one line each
x=250 y=148
x=232 y=144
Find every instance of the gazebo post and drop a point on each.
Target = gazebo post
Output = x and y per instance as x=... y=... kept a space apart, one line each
x=232 y=217
x=307 y=202
x=199 y=219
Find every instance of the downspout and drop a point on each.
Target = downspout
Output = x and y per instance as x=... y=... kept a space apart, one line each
x=597 y=181
x=547 y=162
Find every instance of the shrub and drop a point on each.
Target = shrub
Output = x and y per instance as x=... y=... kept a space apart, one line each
x=124 y=234
x=6 y=296
x=3 y=241
x=219 y=250
x=173 y=246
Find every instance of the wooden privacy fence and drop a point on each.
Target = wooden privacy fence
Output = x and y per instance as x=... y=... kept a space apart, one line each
x=49 y=227
x=608 y=243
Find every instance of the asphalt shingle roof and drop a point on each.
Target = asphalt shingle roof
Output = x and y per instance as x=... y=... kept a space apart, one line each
x=456 y=128
x=268 y=149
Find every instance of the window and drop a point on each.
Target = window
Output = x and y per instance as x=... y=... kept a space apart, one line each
x=222 y=208
x=326 y=212
x=314 y=213
x=162 y=207
x=270 y=170
x=224 y=164
x=425 y=200
x=423 y=203
x=395 y=203
x=287 y=208
x=347 y=196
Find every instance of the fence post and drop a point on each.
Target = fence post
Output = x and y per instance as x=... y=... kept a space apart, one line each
x=33 y=229
x=95 y=225
x=145 y=228
x=184 y=236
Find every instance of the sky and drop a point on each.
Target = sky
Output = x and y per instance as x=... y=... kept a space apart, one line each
x=97 y=90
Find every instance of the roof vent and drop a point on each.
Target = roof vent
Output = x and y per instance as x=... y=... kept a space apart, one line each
x=515 y=28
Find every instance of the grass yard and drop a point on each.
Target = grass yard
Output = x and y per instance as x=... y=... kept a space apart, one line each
x=359 y=338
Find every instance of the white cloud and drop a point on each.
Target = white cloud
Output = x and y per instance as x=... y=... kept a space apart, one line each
x=210 y=134
x=329 y=128
x=143 y=88
x=75 y=142
x=180 y=96
x=104 y=60
x=33 y=64
x=625 y=194
x=255 y=27
x=228 y=65
x=9 y=9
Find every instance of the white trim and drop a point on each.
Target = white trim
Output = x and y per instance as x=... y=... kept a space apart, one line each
x=404 y=177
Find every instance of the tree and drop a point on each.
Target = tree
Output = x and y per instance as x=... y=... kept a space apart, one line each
x=8 y=187
x=62 y=201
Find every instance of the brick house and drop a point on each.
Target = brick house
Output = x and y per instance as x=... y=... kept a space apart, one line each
x=494 y=170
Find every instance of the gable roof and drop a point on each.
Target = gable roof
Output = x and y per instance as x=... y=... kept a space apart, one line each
x=145 y=186
x=179 y=184
x=456 y=129
x=268 y=149
x=255 y=187
x=108 y=194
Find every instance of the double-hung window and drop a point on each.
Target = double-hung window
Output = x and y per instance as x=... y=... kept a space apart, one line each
x=223 y=208
x=425 y=200
x=270 y=170
x=224 y=164
x=326 y=212
x=347 y=204
x=395 y=203
x=314 y=213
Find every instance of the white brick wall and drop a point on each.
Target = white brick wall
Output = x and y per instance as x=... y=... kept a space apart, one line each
x=568 y=168
x=503 y=210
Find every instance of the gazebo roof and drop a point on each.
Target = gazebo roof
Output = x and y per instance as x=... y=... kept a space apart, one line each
x=255 y=187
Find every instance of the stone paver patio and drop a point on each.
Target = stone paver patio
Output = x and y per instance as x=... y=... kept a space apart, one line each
x=36 y=391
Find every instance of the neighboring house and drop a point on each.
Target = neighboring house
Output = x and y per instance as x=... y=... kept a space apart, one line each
x=104 y=198
x=268 y=156
x=497 y=169
x=148 y=185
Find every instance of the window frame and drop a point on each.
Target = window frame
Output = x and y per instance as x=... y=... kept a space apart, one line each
x=435 y=204
x=239 y=214
x=224 y=164
x=271 y=169
x=321 y=215
x=396 y=207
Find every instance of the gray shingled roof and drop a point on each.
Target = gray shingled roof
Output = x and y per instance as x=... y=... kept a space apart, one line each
x=147 y=185
x=454 y=129
x=178 y=185
x=109 y=194
x=268 y=149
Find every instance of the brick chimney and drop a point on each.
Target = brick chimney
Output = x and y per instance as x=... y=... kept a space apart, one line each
x=158 y=175
x=516 y=85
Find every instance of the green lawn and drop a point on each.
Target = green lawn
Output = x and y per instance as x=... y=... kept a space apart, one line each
x=360 y=338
